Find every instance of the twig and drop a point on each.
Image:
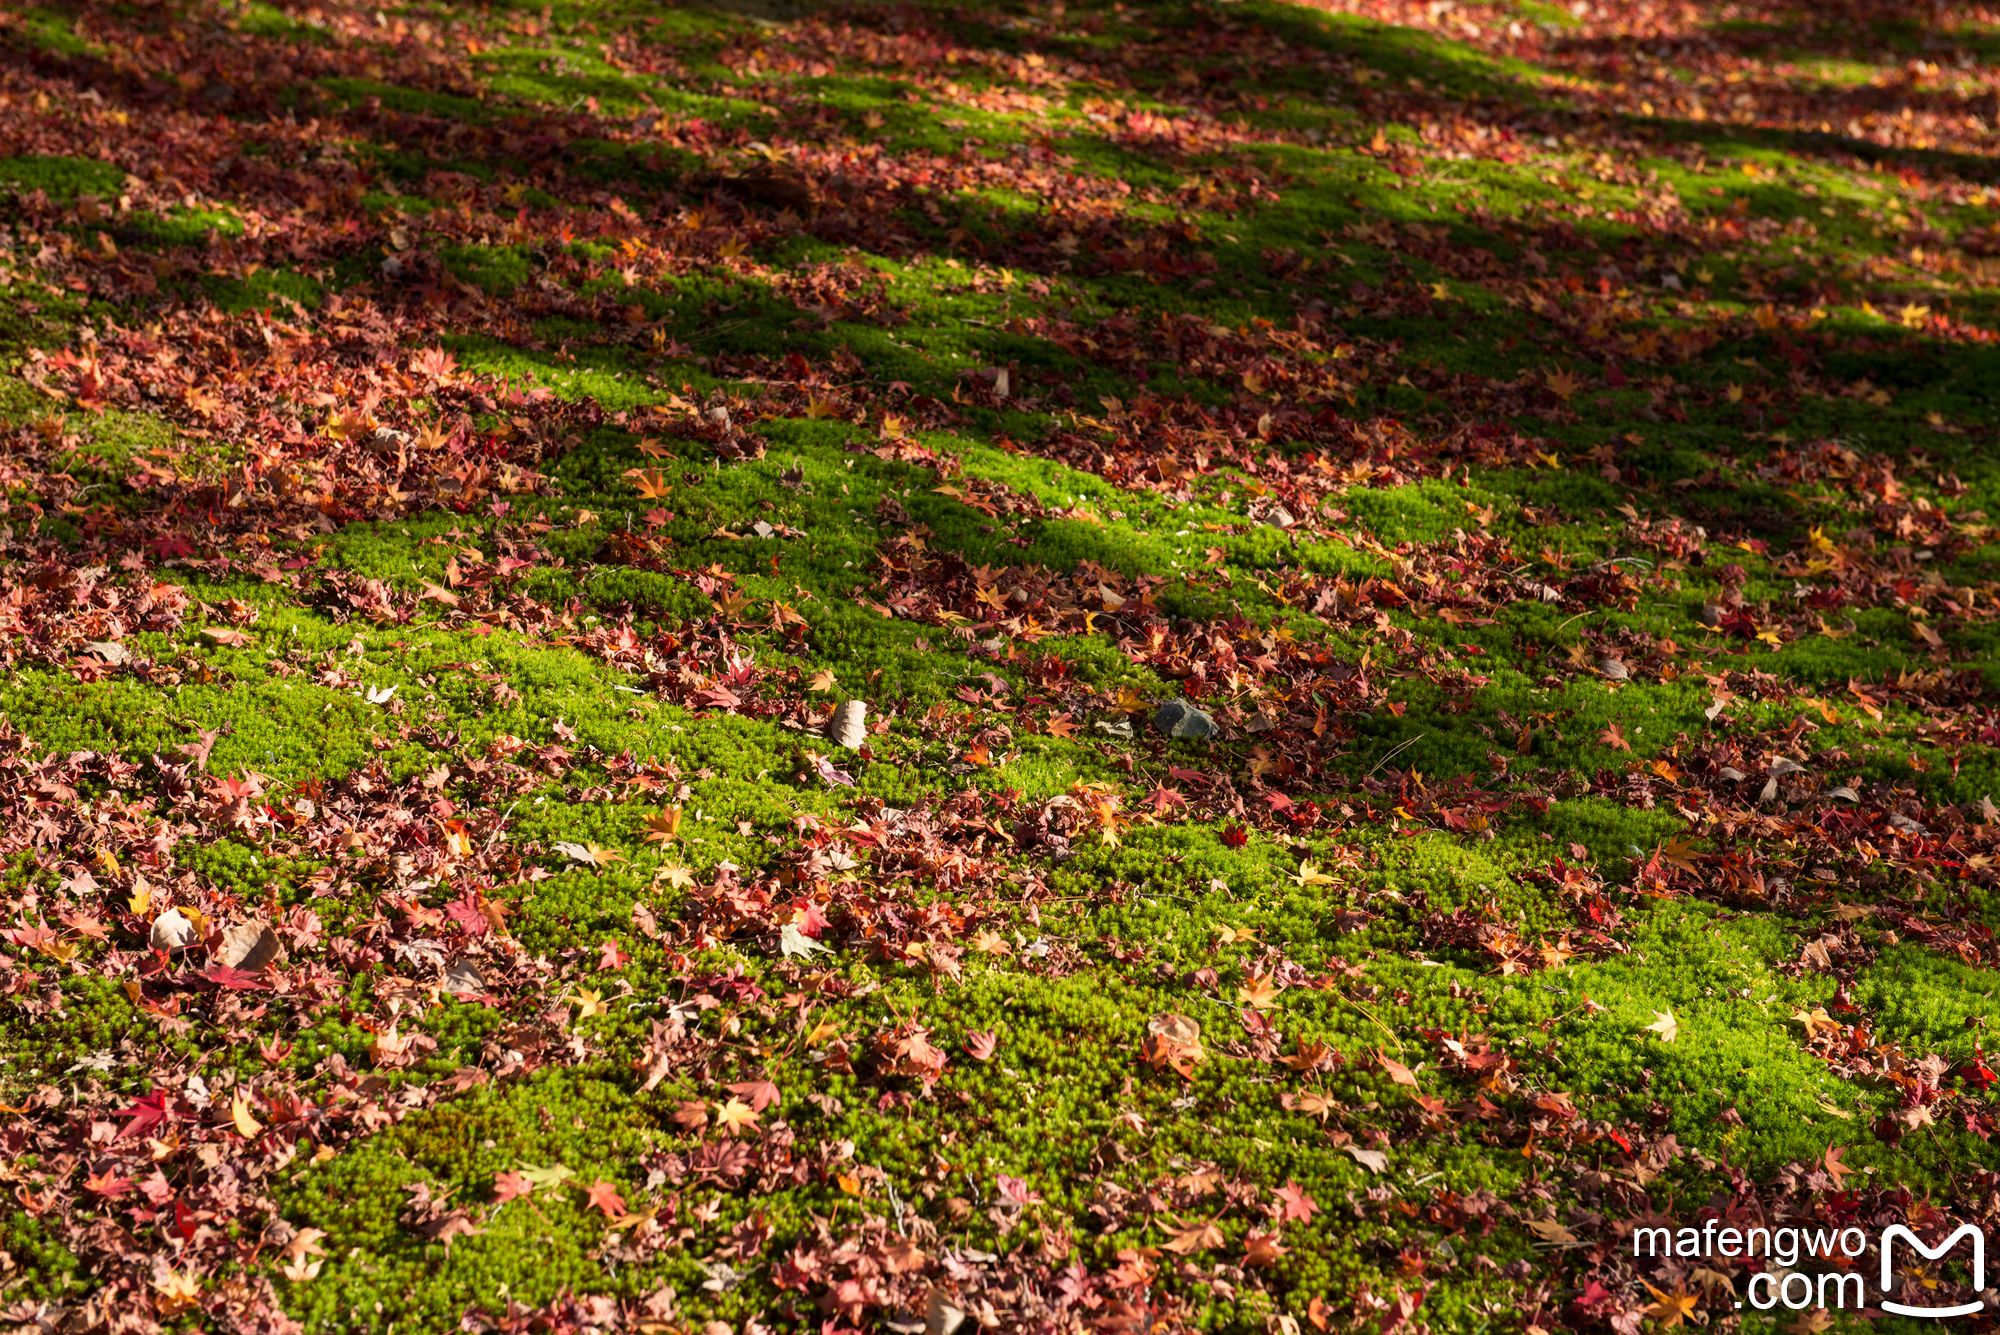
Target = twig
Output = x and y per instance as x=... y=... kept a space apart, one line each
x=1373 y=1016
x=498 y=828
x=1393 y=754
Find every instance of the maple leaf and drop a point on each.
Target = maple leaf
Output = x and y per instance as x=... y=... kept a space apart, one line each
x=1816 y=1022
x=680 y=878
x=664 y=826
x=590 y=854
x=198 y=751
x=1679 y=854
x=147 y=1112
x=651 y=482
x=1375 y=1161
x=1613 y=736
x=235 y=639
x=1563 y=385
x=239 y=1113
x=1259 y=991
x=1398 y=1072
x=1665 y=1025
x=1200 y=1237
x=980 y=1043
x=549 y=1178
x=603 y=1196
x=511 y=1186
x=831 y=777
x=1835 y=1169
x=1311 y=1104
x=1670 y=1309
x=107 y=1184
x=1263 y=1249
x=823 y=680
x=793 y=943
x=176 y=1290
x=591 y=1003
x=1017 y=1190
x=1297 y=1205
x=735 y=1116
x=1310 y=875
x=761 y=1093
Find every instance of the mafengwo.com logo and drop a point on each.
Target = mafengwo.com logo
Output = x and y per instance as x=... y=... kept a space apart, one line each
x=1828 y=1269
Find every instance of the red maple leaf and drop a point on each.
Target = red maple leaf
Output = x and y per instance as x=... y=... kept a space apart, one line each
x=510 y=1186
x=108 y=1184
x=465 y=911
x=611 y=957
x=148 y=1112
x=979 y=1044
x=604 y=1196
x=1298 y=1205
x=759 y=1094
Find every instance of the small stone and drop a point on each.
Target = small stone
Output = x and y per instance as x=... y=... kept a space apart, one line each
x=171 y=931
x=1733 y=774
x=1175 y=1028
x=1905 y=825
x=110 y=651
x=1614 y=669
x=1178 y=718
x=763 y=530
x=1785 y=765
x=248 y=946
x=848 y=726
x=719 y=416
x=1710 y=615
x=1280 y=517
x=1122 y=730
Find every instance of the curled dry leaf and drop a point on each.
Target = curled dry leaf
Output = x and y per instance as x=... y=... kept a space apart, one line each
x=171 y=931
x=848 y=726
x=248 y=946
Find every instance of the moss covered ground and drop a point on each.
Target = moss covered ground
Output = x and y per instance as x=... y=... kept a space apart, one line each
x=458 y=458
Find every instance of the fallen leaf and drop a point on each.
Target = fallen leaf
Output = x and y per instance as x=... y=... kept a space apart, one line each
x=1375 y=1161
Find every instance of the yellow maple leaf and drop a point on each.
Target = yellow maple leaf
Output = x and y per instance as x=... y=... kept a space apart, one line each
x=823 y=680
x=1680 y=854
x=663 y=827
x=1665 y=1025
x=591 y=1003
x=239 y=1113
x=1311 y=875
x=1563 y=385
x=1259 y=991
x=651 y=482
x=1670 y=1309
x=680 y=878
x=1816 y=1022
x=735 y=1116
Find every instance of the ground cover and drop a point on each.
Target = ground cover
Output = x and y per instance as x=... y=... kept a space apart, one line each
x=459 y=458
